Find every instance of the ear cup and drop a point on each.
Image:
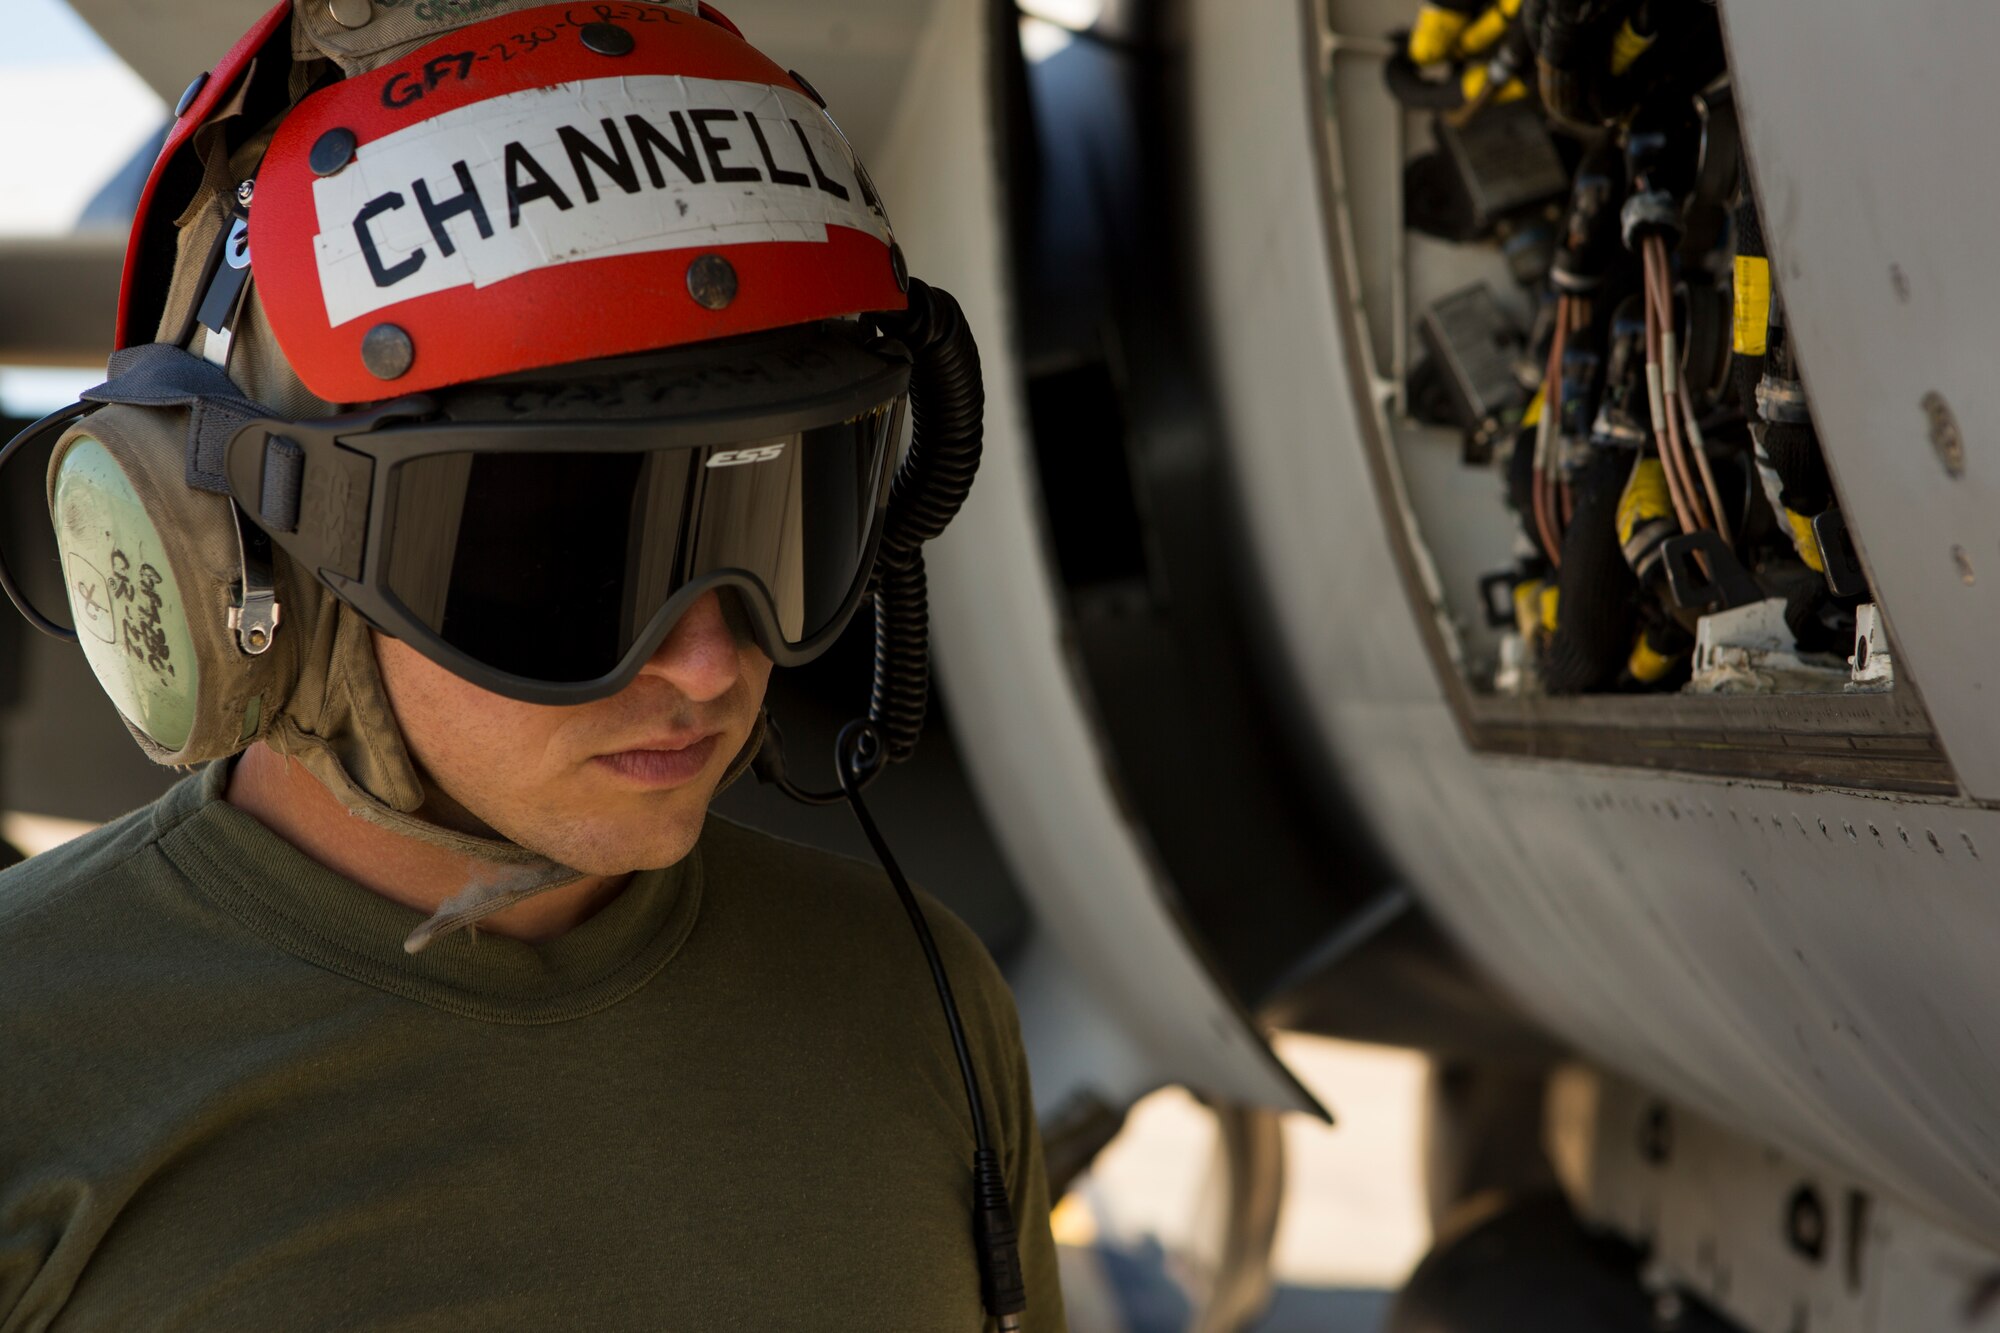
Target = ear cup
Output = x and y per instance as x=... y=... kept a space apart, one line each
x=151 y=568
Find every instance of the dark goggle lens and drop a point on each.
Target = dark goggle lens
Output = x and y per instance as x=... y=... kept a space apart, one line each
x=551 y=566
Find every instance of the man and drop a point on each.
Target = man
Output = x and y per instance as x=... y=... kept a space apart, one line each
x=436 y=1000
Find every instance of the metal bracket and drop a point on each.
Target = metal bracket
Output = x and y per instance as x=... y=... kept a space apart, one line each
x=1725 y=584
x=1844 y=575
x=256 y=612
x=229 y=276
x=1496 y=596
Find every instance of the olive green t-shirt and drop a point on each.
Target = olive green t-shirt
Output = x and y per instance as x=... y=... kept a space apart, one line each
x=229 y=1100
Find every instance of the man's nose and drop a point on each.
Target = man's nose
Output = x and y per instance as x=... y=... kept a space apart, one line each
x=699 y=656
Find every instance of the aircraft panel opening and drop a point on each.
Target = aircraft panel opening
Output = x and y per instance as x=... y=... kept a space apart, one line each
x=1594 y=439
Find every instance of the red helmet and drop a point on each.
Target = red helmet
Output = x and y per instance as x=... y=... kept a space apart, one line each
x=687 y=189
x=627 y=306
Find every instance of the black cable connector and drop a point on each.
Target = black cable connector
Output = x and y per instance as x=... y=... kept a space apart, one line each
x=1001 y=1283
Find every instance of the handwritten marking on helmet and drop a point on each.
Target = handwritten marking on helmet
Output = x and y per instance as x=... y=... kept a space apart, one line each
x=90 y=598
x=145 y=637
x=595 y=167
x=405 y=87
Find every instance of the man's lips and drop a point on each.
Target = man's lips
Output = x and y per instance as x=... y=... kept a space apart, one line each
x=662 y=763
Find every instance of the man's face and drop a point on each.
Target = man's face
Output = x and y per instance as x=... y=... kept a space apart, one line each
x=606 y=787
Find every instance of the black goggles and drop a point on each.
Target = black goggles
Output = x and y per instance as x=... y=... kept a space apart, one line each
x=540 y=537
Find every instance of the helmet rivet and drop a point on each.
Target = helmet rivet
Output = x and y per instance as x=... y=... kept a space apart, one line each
x=193 y=91
x=331 y=151
x=351 y=13
x=246 y=190
x=712 y=281
x=607 y=39
x=258 y=638
x=899 y=266
x=387 y=351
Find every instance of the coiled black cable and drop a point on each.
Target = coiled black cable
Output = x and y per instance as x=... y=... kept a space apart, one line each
x=948 y=407
x=948 y=400
x=900 y=694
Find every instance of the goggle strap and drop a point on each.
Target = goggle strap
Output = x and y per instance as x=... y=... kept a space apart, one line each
x=284 y=479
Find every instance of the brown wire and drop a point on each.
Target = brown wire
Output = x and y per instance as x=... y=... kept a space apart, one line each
x=1546 y=429
x=1680 y=411
x=1661 y=441
x=1707 y=474
x=1659 y=311
x=1707 y=501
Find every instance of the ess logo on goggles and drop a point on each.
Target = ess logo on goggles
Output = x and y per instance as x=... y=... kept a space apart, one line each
x=737 y=457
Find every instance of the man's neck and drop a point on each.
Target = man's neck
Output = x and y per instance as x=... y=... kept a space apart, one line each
x=281 y=795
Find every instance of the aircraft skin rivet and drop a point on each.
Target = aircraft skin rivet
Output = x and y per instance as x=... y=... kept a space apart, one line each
x=1805 y=1224
x=351 y=14
x=331 y=151
x=1945 y=437
x=607 y=39
x=711 y=281
x=387 y=351
x=193 y=91
x=1964 y=563
x=1656 y=1135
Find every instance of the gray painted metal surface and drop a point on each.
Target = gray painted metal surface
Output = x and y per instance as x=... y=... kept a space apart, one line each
x=1141 y=1007
x=1878 y=192
x=1813 y=966
x=1777 y=1243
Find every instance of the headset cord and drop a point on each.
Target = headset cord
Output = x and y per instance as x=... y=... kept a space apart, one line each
x=859 y=755
x=948 y=404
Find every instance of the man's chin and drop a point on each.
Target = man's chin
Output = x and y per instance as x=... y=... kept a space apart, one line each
x=603 y=845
